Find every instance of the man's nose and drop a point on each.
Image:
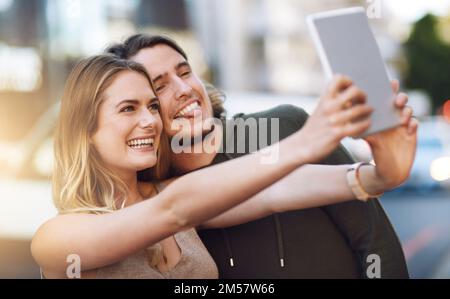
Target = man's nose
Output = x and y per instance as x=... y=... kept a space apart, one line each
x=182 y=90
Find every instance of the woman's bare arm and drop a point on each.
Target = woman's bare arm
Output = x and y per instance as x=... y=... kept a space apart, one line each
x=320 y=185
x=101 y=240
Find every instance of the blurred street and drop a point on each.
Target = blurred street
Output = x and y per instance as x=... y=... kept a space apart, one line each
x=260 y=53
x=423 y=226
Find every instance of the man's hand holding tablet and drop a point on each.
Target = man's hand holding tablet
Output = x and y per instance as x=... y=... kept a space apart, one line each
x=347 y=48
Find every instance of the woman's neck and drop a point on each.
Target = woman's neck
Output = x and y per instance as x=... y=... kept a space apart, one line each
x=133 y=195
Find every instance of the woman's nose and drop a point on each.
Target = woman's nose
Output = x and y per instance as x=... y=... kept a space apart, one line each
x=147 y=119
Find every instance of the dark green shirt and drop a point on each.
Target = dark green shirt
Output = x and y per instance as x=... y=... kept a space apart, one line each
x=327 y=242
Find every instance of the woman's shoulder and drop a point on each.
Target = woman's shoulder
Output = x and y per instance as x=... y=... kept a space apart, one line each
x=52 y=232
x=57 y=223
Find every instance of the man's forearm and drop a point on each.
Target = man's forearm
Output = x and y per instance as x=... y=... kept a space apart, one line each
x=308 y=187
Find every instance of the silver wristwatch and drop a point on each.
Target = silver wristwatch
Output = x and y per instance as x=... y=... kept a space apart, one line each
x=354 y=183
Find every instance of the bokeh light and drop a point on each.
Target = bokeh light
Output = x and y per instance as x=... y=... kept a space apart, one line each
x=440 y=169
x=446 y=110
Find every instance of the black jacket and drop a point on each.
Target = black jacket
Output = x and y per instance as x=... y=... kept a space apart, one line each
x=327 y=242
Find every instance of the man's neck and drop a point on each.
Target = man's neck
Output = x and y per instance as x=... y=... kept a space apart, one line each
x=187 y=162
x=191 y=160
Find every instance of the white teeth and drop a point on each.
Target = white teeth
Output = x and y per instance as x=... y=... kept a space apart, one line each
x=188 y=109
x=141 y=143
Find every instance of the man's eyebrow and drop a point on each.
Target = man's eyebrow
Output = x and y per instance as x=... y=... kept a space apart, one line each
x=158 y=78
x=178 y=66
x=182 y=64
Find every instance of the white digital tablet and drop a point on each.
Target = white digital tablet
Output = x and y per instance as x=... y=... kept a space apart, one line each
x=346 y=45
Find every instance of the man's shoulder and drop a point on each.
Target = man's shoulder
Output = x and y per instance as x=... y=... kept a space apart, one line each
x=245 y=133
x=289 y=118
x=285 y=112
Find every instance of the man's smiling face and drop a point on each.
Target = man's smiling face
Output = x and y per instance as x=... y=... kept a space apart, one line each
x=182 y=94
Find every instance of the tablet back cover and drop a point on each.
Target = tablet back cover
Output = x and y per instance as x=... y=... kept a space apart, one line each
x=346 y=45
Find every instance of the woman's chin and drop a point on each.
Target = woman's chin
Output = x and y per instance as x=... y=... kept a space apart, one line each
x=143 y=165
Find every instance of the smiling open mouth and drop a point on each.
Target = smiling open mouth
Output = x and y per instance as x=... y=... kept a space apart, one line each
x=141 y=143
x=189 y=110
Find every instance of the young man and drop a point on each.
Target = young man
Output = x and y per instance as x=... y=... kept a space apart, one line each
x=337 y=241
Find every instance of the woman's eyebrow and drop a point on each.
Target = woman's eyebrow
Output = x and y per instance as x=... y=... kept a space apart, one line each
x=155 y=99
x=128 y=101
x=136 y=102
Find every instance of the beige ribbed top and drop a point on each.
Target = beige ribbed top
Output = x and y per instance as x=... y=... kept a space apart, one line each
x=195 y=263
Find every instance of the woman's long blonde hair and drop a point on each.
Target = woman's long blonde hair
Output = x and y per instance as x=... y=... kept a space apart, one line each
x=81 y=182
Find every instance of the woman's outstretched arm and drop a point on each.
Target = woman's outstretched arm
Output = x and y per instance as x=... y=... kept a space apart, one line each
x=320 y=185
x=101 y=240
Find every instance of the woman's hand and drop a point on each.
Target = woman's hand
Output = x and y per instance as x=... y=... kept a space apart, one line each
x=342 y=111
x=394 y=150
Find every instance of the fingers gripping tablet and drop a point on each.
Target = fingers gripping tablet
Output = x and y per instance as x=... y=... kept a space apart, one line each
x=346 y=45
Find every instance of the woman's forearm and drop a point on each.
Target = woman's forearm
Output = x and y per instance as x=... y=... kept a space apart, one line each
x=186 y=203
x=204 y=194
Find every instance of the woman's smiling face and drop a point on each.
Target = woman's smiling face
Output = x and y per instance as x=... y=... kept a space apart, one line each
x=128 y=125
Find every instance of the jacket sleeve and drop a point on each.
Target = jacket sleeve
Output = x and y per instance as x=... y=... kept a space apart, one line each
x=365 y=226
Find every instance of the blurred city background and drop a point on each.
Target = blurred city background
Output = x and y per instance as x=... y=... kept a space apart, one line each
x=260 y=54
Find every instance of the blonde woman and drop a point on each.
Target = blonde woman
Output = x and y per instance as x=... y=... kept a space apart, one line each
x=109 y=130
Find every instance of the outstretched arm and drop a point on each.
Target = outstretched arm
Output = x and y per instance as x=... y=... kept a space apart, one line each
x=101 y=240
x=323 y=185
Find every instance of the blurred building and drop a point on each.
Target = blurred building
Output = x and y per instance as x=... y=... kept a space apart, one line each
x=241 y=46
x=265 y=44
x=258 y=51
